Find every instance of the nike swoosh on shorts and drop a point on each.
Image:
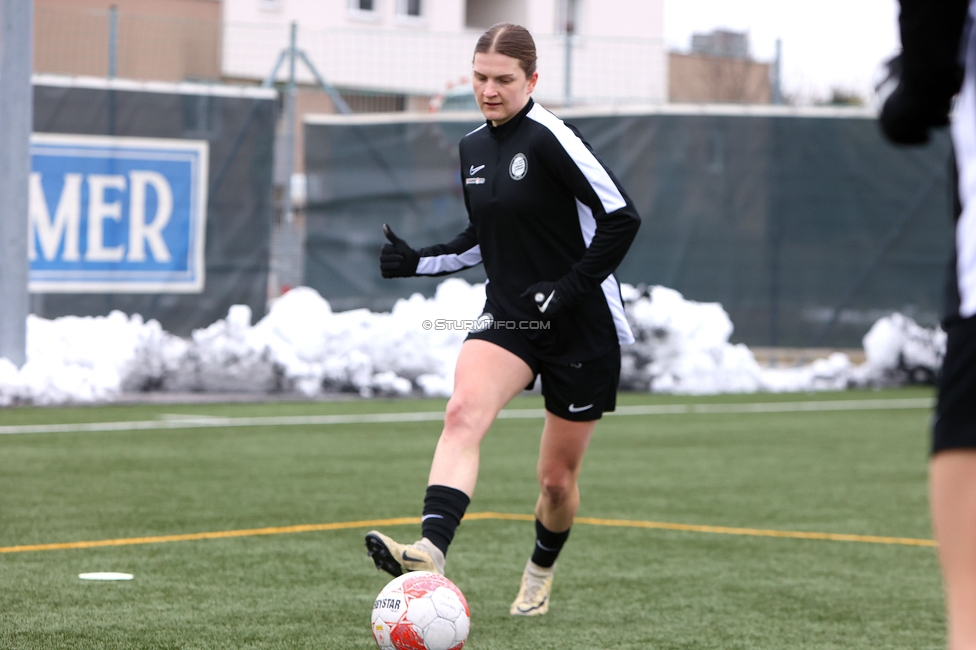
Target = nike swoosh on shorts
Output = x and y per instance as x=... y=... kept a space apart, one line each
x=577 y=409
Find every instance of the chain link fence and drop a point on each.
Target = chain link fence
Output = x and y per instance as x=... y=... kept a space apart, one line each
x=604 y=70
x=379 y=69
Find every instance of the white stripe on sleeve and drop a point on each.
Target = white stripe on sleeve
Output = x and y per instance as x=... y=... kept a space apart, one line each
x=594 y=172
x=450 y=262
x=611 y=290
x=587 y=222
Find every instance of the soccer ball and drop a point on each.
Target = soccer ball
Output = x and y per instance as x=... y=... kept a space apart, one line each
x=420 y=611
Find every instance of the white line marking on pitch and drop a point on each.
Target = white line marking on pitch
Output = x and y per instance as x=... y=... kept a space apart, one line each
x=105 y=575
x=209 y=421
x=779 y=407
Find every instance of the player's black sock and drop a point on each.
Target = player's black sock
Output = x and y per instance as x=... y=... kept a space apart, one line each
x=547 y=545
x=443 y=508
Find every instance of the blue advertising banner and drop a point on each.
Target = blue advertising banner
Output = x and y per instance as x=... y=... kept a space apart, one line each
x=118 y=215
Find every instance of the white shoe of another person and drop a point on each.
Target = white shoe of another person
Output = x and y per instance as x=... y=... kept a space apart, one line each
x=533 y=595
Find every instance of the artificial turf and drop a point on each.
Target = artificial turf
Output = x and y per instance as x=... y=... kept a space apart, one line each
x=857 y=472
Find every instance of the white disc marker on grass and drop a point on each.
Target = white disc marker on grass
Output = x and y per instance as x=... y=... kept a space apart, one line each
x=105 y=575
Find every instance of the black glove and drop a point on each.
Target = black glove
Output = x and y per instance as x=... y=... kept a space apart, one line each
x=907 y=116
x=397 y=259
x=906 y=119
x=548 y=297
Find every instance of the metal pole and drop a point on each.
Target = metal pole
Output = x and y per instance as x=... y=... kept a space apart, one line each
x=330 y=90
x=16 y=117
x=113 y=41
x=289 y=152
x=269 y=80
x=777 y=73
x=570 y=29
x=292 y=49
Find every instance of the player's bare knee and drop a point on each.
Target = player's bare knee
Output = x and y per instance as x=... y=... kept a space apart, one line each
x=555 y=490
x=462 y=421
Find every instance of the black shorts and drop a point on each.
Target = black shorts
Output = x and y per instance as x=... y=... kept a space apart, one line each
x=955 y=413
x=580 y=391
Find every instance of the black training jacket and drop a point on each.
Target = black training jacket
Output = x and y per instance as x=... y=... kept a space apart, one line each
x=542 y=207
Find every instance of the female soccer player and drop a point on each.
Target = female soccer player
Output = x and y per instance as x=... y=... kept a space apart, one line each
x=550 y=223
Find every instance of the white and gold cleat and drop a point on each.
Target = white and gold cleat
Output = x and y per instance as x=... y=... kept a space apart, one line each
x=397 y=559
x=533 y=595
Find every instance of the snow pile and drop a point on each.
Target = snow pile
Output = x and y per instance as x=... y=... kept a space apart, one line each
x=899 y=351
x=836 y=372
x=79 y=359
x=301 y=345
x=315 y=349
x=683 y=347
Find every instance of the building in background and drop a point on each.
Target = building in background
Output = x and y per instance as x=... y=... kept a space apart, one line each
x=721 y=43
x=415 y=50
x=405 y=55
x=157 y=40
x=719 y=69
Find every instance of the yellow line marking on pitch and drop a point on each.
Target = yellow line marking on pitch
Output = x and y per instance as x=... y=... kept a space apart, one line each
x=189 y=537
x=721 y=530
x=758 y=532
x=474 y=516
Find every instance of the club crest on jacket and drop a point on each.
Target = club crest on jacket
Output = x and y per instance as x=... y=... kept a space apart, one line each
x=518 y=167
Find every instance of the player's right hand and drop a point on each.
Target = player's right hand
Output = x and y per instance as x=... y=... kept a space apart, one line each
x=545 y=297
x=397 y=259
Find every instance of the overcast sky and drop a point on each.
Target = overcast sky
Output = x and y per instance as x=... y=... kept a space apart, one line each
x=826 y=43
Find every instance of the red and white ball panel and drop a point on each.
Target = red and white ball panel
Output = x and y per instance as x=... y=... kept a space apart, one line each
x=421 y=611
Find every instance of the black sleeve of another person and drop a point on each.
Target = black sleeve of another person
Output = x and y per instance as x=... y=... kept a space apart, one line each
x=930 y=69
